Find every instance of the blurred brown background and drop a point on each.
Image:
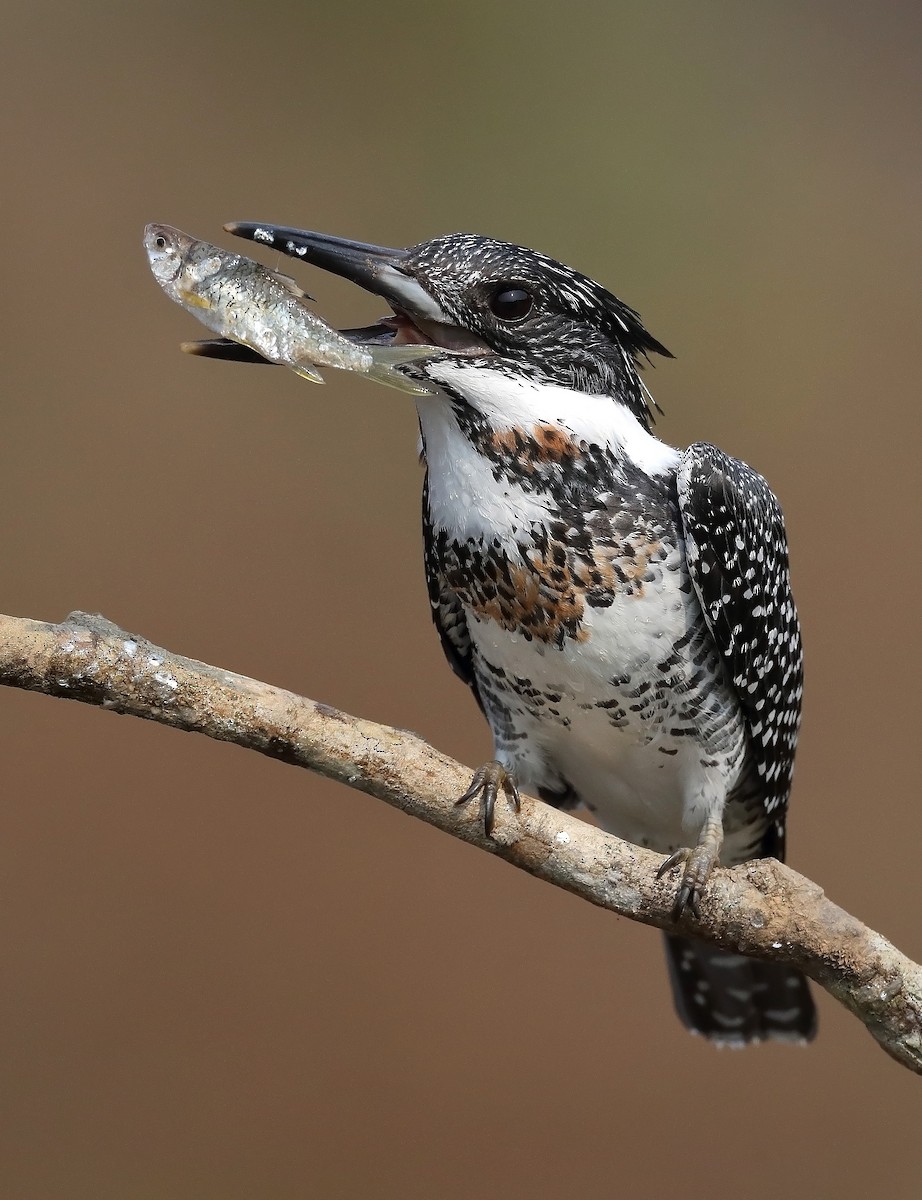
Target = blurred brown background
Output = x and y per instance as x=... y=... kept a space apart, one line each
x=224 y=978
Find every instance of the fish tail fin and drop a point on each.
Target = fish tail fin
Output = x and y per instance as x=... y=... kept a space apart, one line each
x=385 y=360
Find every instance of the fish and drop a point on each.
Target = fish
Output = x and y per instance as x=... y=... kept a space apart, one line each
x=265 y=313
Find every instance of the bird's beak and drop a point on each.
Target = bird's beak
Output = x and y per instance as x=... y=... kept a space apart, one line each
x=371 y=267
x=381 y=270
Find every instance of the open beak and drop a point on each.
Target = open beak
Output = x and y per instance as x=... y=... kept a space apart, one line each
x=418 y=318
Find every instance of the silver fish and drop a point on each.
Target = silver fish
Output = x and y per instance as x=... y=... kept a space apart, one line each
x=242 y=300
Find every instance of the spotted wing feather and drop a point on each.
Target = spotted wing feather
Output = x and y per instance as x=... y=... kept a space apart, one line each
x=737 y=553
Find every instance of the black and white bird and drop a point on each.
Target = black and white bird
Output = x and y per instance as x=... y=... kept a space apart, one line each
x=621 y=610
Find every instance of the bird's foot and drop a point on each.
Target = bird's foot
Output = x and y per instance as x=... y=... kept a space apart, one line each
x=699 y=861
x=486 y=782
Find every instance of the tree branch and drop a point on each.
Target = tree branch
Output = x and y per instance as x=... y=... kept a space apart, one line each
x=760 y=908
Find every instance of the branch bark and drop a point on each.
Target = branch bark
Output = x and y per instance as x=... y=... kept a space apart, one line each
x=761 y=908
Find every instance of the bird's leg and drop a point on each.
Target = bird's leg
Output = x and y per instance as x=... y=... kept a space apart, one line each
x=699 y=862
x=487 y=781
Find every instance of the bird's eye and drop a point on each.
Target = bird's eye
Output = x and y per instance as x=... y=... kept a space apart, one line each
x=160 y=242
x=511 y=303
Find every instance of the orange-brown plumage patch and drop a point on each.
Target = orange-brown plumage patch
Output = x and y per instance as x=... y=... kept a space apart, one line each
x=549 y=603
x=553 y=445
x=542 y=444
x=545 y=594
x=525 y=599
x=507 y=441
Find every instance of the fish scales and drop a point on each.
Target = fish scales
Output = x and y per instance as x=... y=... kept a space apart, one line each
x=250 y=304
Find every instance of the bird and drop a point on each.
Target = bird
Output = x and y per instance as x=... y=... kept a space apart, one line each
x=620 y=609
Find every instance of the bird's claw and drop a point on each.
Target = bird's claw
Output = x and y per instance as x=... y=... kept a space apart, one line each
x=487 y=781
x=698 y=863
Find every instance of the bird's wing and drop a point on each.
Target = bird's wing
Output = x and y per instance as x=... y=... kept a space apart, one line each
x=738 y=559
x=447 y=610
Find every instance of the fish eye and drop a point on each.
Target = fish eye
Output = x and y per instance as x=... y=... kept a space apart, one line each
x=510 y=302
x=160 y=241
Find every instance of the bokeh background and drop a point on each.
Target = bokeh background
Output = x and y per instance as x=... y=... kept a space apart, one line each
x=225 y=978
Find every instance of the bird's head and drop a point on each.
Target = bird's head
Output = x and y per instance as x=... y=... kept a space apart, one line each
x=494 y=308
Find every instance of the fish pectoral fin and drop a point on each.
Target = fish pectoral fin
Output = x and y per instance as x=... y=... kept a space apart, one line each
x=191 y=298
x=307 y=370
x=289 y=284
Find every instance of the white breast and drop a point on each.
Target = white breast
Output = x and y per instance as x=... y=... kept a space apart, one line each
x=464 y=497
x=643 y=794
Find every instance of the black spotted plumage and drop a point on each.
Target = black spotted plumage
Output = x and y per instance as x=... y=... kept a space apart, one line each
x=447 y=610
x=622 y=612
x=736 y=548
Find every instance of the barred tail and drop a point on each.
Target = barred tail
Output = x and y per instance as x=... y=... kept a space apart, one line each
x=734 y=1000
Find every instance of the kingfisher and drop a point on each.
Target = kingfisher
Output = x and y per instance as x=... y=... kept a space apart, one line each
x=620 y=609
